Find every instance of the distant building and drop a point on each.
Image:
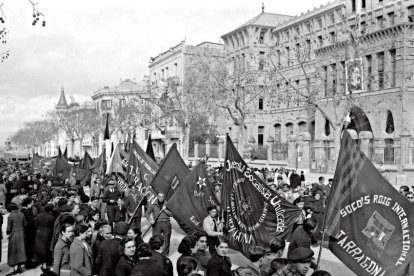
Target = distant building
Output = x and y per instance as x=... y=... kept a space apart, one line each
x=380 y=79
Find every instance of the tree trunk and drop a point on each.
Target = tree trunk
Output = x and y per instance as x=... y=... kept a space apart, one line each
x=241 y=138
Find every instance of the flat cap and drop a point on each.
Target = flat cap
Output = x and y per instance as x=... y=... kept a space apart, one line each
x=300 y=254
x=111 y=182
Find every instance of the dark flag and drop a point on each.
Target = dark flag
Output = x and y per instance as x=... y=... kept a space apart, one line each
x=171 y=174
x=141 y=171
x=83 y=176
x=150 y=149
x=42 y=164
x=86 y=162
x=128 y=144
x=65 y=153
x=99 y=164
x=118 y=165
x=369 y=221
x=253 y=213
x=62 y=166
x=106 y=133
x=189 y=203
x=59 y=152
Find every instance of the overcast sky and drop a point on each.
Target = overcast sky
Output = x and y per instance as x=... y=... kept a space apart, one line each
x=90 y=44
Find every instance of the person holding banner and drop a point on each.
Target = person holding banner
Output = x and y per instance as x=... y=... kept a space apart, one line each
x=160 y=221
x=213 y=227
x=111 y=196
x=133 y=204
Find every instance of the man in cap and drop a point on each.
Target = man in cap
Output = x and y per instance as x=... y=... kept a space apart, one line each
x=111 y=196
x=217 y=190
x=108 y=253
x=134 y=211
x=300 y=261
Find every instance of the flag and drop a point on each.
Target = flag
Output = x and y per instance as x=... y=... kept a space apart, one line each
x=83 y=176
x=118 y=165
x=189 y=203
x=253 y=213
x=62 y=166
x=99 y=165
x=86 y=162
x=59 y=152
x=141 y=171
x=369 y=221
x=65 y=153
x=42 y=164
x=171 y=174
x=106 y=132
x=150 y=149
x=128 y=144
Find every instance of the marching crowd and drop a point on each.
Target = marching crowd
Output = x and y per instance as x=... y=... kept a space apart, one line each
x=68 y=230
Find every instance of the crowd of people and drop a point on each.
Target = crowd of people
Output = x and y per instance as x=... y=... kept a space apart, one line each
x=68 y=229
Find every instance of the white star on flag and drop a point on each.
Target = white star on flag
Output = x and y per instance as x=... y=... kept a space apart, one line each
x=201 y=182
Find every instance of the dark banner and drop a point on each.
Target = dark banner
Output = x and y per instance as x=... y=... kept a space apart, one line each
x=62 y=166
x=42 y=164
x=189 y=203
x=87 y=161
x=370 y=219
x=254 y=213
x=118 y=165
x=99 y=164
x=150 y=149
x=141 y=171
x=172 y=173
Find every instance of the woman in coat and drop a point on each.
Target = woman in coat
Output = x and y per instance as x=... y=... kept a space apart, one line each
x=219 y=264
x=61 y=255
x=43 y=238
x=80 y=252
x=16 y=254
x=127 y=261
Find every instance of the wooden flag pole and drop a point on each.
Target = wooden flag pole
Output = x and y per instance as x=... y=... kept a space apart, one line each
x=136 y=209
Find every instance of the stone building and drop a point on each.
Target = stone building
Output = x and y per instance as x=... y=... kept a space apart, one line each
x=366 y=87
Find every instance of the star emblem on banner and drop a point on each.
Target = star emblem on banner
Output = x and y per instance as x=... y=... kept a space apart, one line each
x=201 y=182
x=245 y=208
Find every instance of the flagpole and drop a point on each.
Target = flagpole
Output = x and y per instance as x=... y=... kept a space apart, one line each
x=136 y=209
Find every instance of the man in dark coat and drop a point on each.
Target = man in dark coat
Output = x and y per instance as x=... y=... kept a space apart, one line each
x=29 y=230
x=131 y=202
x=108 y=253
x=146 y=266
x=111 y=195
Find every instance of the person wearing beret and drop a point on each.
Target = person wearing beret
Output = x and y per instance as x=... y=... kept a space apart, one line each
x=300 y=261
x=110 y=197
x=108 y=253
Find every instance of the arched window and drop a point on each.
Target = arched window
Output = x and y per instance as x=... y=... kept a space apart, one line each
x=389 y=127
x=389 y=151
x=302 y=126
x=289 y=130
x=312 y=130
x=278 y=133
x=327 y=128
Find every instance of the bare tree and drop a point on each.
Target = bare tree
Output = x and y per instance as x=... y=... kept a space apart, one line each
x=35 y=133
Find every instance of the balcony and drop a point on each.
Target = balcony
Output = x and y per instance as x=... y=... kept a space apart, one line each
x=174 y=80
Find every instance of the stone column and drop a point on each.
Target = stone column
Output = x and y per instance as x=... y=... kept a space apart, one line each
x=365 y=137
x=305 y=160
x=220 y=149
x=270 y=141
x=405 y=147
x=208 y=146
x=292 y=152
x=195 y=149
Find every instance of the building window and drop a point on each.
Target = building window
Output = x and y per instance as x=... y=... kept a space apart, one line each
x=308 y=47
x=393 y=55
x=297 y=84
x=363 y=27
x=162 y=74
x=320 y=41
x=106 y=104
x=391 y=19
x=380 y=21
x=332 y=37
x=327 y=128
x=389 y=151
x=332 y=17
x=353 y=5
x=278 y=59
x=261 y=61
x=302 y=127
x=288 y=55
x=278 y=133
x=319 y=20
x=262 y=36
x=308 y=27
x=261 y=104
x=176 y=69
x=122 y=103
x=389 y=127
x=410 y=12
x=260 y=135
x=325 y=79
x=380 y=58
x=289 y=130
x=363 y=4
x=369 y=72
